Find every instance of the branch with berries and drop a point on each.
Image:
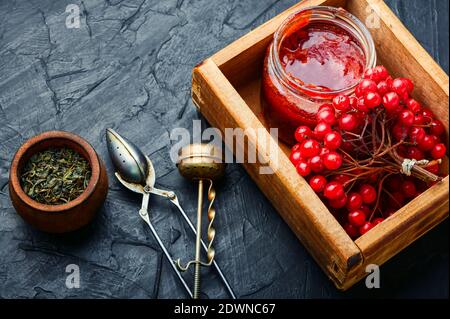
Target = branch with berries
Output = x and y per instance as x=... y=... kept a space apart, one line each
x=371 y=152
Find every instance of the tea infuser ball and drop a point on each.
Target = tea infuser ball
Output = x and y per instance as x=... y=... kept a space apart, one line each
x=202 y=163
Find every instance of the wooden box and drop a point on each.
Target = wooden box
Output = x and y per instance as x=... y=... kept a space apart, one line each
x=226 y=89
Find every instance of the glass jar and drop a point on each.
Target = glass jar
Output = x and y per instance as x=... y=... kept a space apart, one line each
x=333 y=51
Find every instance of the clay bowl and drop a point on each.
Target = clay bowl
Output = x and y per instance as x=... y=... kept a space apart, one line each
x=66 y=217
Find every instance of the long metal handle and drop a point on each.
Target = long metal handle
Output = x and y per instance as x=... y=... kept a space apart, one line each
x=198 y=241
x=144 y=215
x=174 y=199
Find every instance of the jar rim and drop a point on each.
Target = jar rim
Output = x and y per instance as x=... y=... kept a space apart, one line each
x=338 y=16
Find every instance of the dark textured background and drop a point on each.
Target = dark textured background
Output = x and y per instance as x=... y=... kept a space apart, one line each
x=129 y=67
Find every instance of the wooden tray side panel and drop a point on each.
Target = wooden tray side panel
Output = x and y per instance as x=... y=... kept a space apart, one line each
x=299 y=206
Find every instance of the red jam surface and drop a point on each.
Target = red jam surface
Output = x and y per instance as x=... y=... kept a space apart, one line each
x=319 y=56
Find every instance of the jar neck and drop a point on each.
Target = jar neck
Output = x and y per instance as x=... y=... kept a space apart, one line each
x=330 y=15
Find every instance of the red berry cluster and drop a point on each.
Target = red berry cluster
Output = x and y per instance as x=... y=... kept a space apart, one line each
x=360 y=143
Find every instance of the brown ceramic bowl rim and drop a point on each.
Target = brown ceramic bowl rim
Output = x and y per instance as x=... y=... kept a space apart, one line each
x=55 y=135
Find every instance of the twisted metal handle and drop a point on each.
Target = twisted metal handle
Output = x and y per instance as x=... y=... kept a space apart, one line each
x=211 y=230
x=211 y=233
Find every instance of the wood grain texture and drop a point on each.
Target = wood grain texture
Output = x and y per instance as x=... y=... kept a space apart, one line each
x=129 y=67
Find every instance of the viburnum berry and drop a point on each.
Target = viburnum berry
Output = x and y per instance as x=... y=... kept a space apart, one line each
x=332 y=161
x=372 y=99
x=321 y=129
x=361 y=105
x=370 y=74
x=391 y=102
x=433 y=169
x=415 y=153
x=326 y=115
x=341 y=102
x=353 y=101
x=406 y=117
x=332 y=140
x=295 y=157
x=333 y=190
x=362 y=116
x=341 y=178
x=427 y=143
x=354 y=201
x=316 y=164
x=416 y=134
x=381 y=73
x=368 y=193
x=437 y=128
x=348 y=122
x=389 y=80
x=399 y=86
x=437 y=152
x=373 y=178
x=383 y=87
x=365 y=209
x=365 y=228
x=357 y=218
x=318 y=183
x=367 y=86
x=409 y=85
x=396 y=200
x=310 y=148
x=393 y=183
x=303 y=168
x=436 y=139
x=324 y=151
x=427 y=113
x=347 y=146
x=296 y=147
x=419 y=119
x=351 y=230
x=326 y=106
x=408 y=189
x=302 y=132
x=413 y=105
x=399 y=132
x=338 y=203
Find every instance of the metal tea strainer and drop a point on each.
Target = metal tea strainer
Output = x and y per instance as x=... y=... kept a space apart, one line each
x=201 y=163
x=135 y=171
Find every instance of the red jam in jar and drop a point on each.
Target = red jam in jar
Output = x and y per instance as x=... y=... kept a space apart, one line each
x=317 y=53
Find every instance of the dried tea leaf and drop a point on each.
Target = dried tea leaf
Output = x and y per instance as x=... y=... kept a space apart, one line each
x=55 y=176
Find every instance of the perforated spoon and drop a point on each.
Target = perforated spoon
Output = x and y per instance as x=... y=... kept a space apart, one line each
x=135 y=171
